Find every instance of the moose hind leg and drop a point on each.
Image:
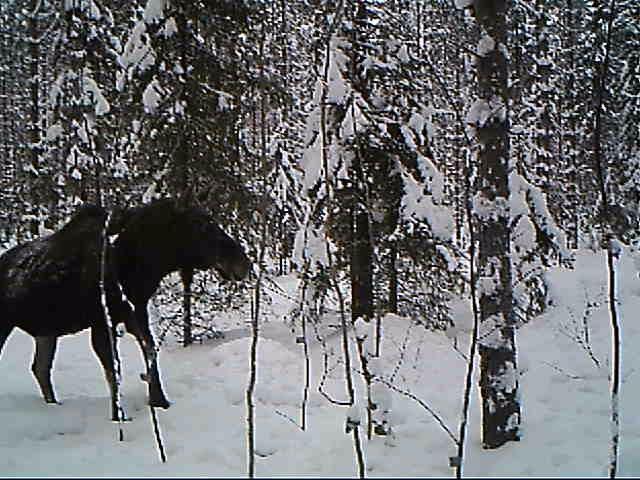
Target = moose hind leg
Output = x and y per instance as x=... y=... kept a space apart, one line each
x=41 y=366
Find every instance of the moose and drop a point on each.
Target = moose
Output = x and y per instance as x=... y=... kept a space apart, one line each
x=50 y=286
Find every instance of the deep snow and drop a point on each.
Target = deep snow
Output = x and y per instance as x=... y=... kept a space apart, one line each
x=565 y=399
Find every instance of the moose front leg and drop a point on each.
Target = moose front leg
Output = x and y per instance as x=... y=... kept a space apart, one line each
x=41 y=366
x=147 y=345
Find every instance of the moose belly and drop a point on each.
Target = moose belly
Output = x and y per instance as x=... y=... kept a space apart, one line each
x=50 y=317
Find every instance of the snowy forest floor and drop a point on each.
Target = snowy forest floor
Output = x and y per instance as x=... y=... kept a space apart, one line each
x=565 y=399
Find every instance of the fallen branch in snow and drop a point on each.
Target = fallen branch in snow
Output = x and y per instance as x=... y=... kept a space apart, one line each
x=326 y=371
x=585 y=346
x=630 y=372
x=460 y=352
x=403 y=350
x=416 y=399
x=560 y=370
x=421 y=402
x=580 y=333
x=287 y=417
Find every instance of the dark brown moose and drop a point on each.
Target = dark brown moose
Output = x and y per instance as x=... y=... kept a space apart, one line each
x=49 y=287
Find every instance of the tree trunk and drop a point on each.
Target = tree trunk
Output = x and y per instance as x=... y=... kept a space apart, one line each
x=393 y=278
x=609 y=240
x=497 y=348
x=187 y=279
x=34 y=108
x=361 y=274
x=362 y=249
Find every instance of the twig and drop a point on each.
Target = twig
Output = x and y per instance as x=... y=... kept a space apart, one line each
x=421 y=403
x=459 y=352
x=403 y=350
x=303 y=314
x=582 y=338
x=366 y=375
x=156 y=430
x=359 y=454
x=307 y=371
x=253 y=366
x=580 y=341
x=413 y=397
x=600 y=165
x=475 y=307
x=560 y=370
x=254 y=352
x=325 y=372
x=115 y=358
x=287 y=417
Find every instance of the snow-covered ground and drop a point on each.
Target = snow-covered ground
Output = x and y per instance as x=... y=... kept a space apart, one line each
x=565 y=400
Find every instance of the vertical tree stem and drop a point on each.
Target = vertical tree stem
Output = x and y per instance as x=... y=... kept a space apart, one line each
x=609 y=237
x=474 y=335
x=117 y=371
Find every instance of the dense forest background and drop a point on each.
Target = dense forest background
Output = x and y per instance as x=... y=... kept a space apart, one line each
x=394 y=154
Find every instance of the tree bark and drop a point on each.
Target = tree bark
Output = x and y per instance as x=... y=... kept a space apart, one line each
x=497 y=348
x=392 y=306
x=361 y=274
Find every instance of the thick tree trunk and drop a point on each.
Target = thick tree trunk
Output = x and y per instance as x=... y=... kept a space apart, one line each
x=497 y=348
